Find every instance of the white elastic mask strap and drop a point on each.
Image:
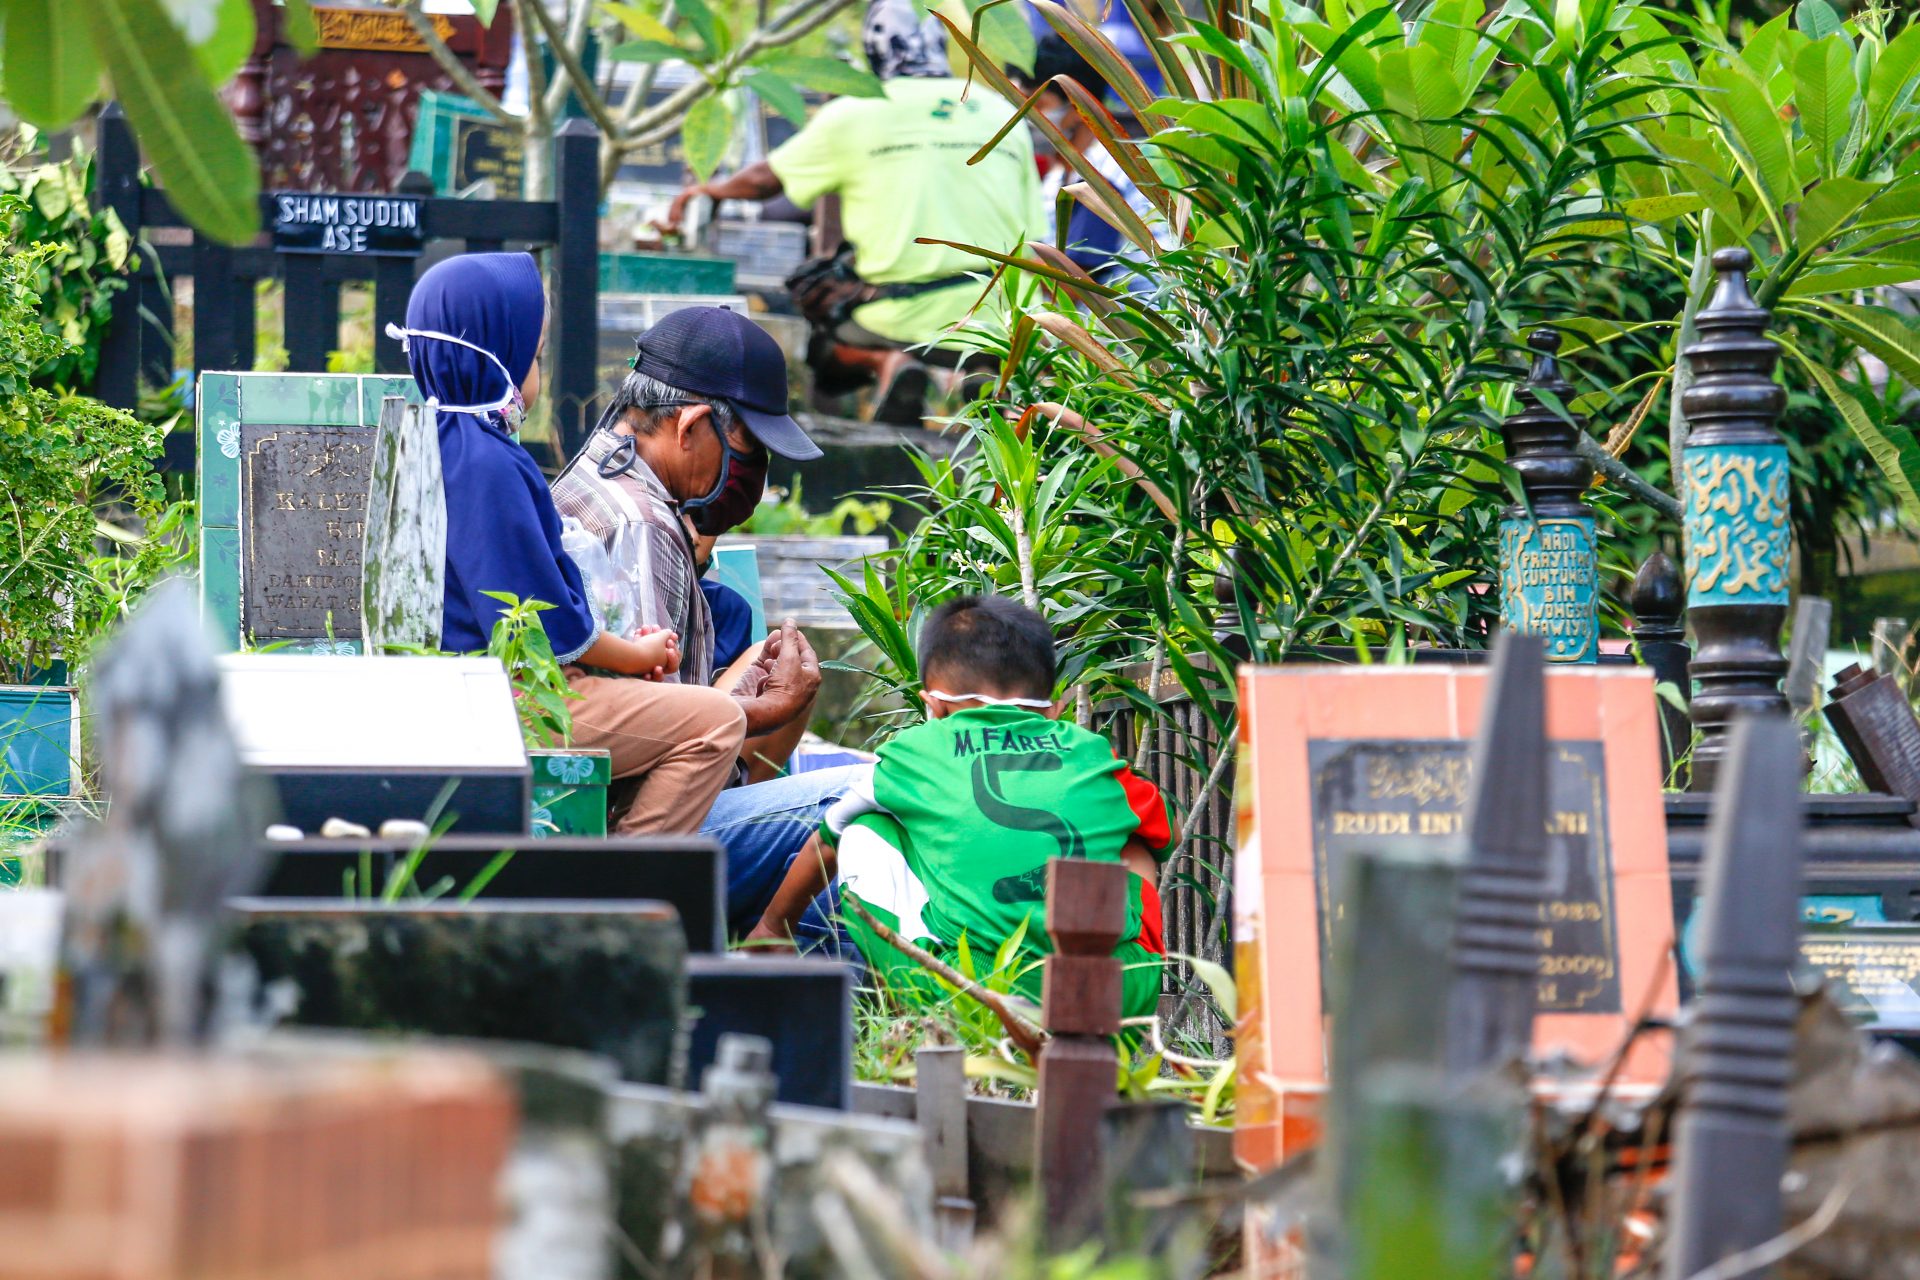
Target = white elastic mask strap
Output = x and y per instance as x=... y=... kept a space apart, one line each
x=403 y=335
x=1037 y=704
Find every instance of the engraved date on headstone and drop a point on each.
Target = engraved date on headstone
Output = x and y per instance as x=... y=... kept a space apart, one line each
x=1373 y=795
x=303 y=528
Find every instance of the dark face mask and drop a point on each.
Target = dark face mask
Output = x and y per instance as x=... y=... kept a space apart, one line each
x=743 y=478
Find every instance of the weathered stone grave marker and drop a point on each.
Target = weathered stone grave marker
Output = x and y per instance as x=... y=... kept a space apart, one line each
x=1369 y=760
x=285 y=467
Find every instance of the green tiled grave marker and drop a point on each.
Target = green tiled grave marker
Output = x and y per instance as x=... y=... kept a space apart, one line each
x=570 y=792
x=283 y=487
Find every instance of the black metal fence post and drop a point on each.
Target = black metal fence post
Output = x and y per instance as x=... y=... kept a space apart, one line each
x=1658 y=599
x=312 y=311
x=574 y=334
x=117 y=171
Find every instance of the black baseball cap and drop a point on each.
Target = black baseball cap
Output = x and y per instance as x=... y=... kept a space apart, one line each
x=715 y=352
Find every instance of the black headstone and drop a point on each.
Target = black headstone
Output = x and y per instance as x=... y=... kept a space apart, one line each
x=303 y=511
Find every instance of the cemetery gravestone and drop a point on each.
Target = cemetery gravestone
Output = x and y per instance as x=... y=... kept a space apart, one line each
x=424 y=738
x=285 y=466
x=1356 y=760
x=608 y=977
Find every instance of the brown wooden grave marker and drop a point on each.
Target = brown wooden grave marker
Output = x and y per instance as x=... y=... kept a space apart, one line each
x=1338 y=761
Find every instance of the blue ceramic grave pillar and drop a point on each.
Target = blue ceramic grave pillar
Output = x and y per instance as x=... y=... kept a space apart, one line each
x=1736 y=492
x=1549 y=575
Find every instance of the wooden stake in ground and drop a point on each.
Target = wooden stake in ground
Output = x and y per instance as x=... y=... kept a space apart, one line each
x=1080 y=1005
x=1730 y=1142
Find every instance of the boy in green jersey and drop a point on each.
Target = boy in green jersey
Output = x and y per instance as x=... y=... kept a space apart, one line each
x=949 y=838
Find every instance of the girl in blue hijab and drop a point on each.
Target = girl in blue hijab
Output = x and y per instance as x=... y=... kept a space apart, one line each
x=475 y=327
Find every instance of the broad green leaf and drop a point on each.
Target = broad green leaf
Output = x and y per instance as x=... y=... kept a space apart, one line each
x=638 y=21
x=704 y=24
x=1897 y=454
x=1824 y=94
x=1882 y=333
x=1816 y=18
x=826 y=75
x=52 y=73
x=183 y=128
x=706 y=135
x=1002 y=31
x=778 y=93
x=1827 y=207
x=647 y=51
x=1895 y=78
x=1854 y=276
x=231 y=40
x=1757 y=134
x=1663 y=208
x=301 y=30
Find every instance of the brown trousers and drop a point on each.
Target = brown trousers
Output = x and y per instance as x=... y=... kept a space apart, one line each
x=679 y=741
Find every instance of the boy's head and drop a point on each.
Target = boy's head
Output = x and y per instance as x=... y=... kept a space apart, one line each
x=985 y=645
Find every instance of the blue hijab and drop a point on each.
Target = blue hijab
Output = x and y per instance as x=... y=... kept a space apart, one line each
x=502 y=531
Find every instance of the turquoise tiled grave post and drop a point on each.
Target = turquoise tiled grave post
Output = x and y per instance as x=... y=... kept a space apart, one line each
x=283 y=470
x=39 y=756
x=1736 y=495
x=1549 y=574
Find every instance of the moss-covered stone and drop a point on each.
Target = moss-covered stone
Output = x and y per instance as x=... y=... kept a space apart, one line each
x=607 y=978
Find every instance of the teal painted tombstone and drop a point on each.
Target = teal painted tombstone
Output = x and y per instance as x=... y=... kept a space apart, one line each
x=284 y=466
x=1549 y=573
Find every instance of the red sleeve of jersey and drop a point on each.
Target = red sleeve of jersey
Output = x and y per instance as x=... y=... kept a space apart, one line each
x=1151 y=811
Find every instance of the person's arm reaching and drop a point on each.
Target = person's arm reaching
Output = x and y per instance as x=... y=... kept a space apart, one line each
x=755 y=182
x=812 y=870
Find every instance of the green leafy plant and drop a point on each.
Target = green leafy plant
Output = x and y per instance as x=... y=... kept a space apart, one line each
x=540 y=689
x=60 y=457
x=164 y=63
x=77 y=280
x=787 y=516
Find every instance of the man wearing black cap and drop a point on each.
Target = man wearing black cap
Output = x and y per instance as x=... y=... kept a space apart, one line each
x=682 y=450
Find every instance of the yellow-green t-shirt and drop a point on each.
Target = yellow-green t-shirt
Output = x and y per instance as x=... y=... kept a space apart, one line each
x=899 y=164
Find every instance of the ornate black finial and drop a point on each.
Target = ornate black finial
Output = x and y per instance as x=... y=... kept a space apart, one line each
x=1549 y=575
x=1736 y=496
x=1731 y=1136
x=1658 y=598
x=1496 y=937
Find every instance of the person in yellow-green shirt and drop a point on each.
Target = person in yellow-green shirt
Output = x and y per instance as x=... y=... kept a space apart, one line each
x=899 y=166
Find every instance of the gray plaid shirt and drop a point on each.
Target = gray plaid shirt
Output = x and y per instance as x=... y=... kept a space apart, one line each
x=670 y=594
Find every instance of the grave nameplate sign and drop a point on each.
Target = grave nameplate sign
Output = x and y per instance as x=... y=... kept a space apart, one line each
x=1365 y=792
x=487 y=149
x=1339 y=760
x=1872 y=972
x=360 y=225
x=303 y=529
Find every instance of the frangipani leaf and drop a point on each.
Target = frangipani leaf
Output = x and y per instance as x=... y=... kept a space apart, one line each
x=52 y=72
x=183 y=127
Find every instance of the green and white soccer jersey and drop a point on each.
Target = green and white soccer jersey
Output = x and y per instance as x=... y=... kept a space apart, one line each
x=951 y=836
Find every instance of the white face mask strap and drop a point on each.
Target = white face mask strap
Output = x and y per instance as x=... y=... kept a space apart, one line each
x=1037 y=704
x=404 y=336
